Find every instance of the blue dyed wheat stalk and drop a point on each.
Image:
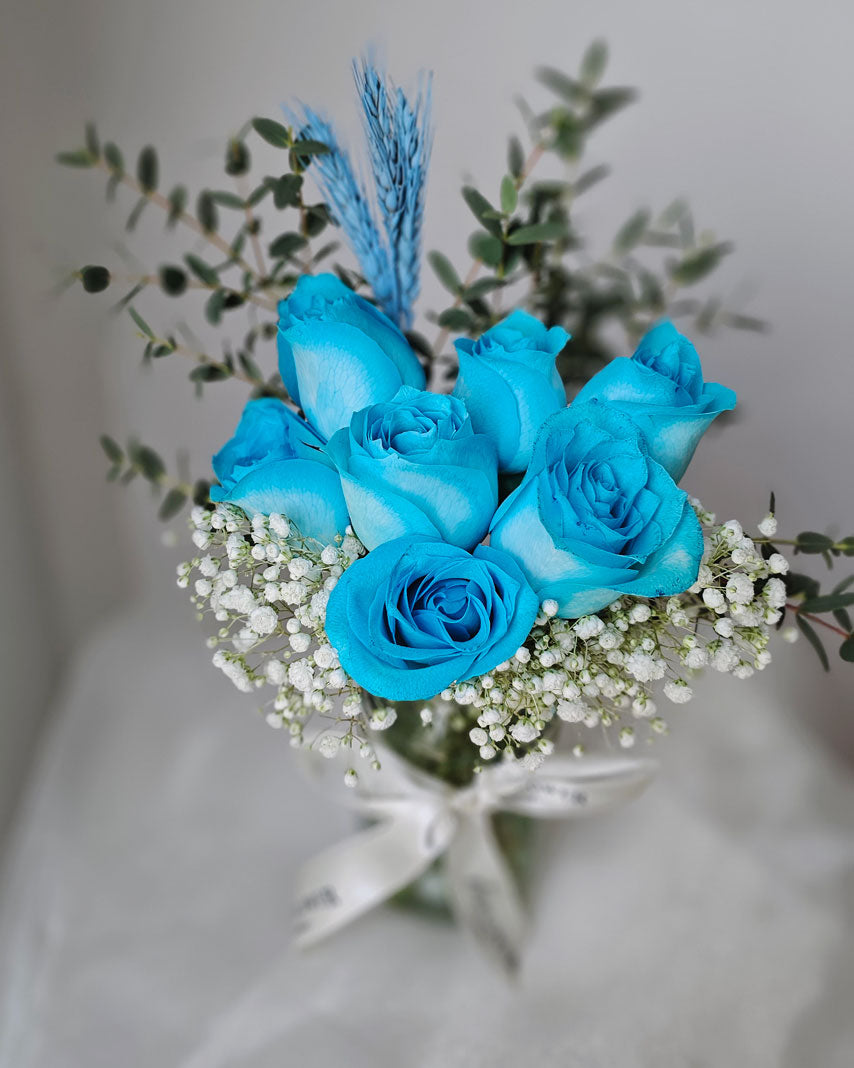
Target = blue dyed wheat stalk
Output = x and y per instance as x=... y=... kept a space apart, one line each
x=399 y=144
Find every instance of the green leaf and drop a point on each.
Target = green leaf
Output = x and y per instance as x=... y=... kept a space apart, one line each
x=201 y=491
x=80 y=158
x=696 y=265
x=286 y=190
x=590 y=178
x=138 y=209
x=560 y=83
x=147 y=462
x=94 y=279
x=113 y=158
x=173 y=280
x=840 y=587
x=482 y=210
x=509 y=195
x=317 y=218
x=814 y=640
x=115 y=453
x=177 y=204
x=515 y=157
x=203 y=271
x=92 y=144
x=631 y=233
x=607 y=102
x=482 y=288
x=206 y=211
x=285 y=245
x=310 y=148
x=810 y=541
x=257 y=195
x=445 y=272
x=487 y=248
x=272 y=132
x=796 y=583
x=141 y=323
x=829 y=602
x=744 y=322
x=538 y=232
x=846 y=650
x=237 y=159
x=847 y=545
x=208 y=372
x=172 y=504
x=147 y=169
x=594 y=62
x=228 y=200
x=455 y=319
x=214 y=307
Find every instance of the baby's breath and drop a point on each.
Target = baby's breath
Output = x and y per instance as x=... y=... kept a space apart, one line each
x=267 y=587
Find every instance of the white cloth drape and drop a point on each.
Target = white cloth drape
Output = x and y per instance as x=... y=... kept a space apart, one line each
x=145 y=917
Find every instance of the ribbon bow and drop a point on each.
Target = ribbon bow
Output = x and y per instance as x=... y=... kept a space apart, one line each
x=419 y=818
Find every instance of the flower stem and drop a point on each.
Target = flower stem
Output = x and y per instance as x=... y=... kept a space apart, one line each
x=817 y=619
x=184 y=217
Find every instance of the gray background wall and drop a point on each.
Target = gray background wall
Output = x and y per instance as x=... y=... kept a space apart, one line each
x=745 y=108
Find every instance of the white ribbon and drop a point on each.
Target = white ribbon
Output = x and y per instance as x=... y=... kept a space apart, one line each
x=420 y=818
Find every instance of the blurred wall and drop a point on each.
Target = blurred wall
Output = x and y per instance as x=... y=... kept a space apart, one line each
x=745 y=108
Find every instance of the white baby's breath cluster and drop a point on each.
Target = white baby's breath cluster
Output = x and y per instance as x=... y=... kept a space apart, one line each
x=610 y=670
x=268 y=587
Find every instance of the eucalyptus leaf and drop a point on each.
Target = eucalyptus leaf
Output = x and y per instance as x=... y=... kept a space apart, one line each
x=536 y=233
x=445 y=271
x=509 y=195
x=172 y=504
x=482 y=210
x=487 y=248
x=147 y=169
x=141 y=323
x=114 y=452
x=594 y=62
x=814 y=640
x=515 y=157
x=829 y=602
x=274 y=133
x=113 y=158
x=203 y=271
x=632 y=232
x=94 y=279
x=206 y=211
x=173 y=280
x=79 y=158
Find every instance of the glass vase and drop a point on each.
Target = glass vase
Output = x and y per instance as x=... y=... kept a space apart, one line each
x=433 y=737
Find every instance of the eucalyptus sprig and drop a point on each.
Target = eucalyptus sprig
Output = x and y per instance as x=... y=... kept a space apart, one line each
x=228 y=231
x=138 y=460
x=529 y=236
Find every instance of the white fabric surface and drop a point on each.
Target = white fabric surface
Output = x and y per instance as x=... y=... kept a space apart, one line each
x=145 y=916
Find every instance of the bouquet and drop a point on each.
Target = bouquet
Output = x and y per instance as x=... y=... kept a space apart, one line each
x=441 y=565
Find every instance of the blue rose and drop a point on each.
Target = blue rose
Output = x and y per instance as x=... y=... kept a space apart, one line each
x=337 y=353
x=596 y=516
x=416 y=615
x=274 y=463
x=661 y=387
x=510 y=385
x=414 y=465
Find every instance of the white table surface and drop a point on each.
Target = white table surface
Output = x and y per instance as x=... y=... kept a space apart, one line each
x=145 y=905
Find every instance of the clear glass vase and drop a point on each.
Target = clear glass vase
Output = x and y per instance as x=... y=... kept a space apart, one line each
x=441 y=748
